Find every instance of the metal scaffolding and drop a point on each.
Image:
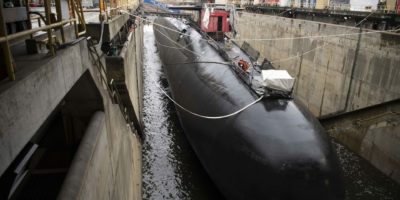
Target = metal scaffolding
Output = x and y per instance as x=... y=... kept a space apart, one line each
x=54 y=22
x=75 y=8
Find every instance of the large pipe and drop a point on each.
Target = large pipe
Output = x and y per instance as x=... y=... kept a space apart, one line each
x=77 y=174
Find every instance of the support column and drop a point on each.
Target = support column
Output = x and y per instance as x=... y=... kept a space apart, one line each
x=59 y=19
x=5 y=46
x=47 y=9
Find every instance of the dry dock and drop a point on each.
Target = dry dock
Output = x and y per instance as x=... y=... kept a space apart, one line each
x=70 y=123
x=172 y=170
x=82 y=117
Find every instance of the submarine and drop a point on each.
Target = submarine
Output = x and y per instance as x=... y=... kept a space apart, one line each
x=254 y=142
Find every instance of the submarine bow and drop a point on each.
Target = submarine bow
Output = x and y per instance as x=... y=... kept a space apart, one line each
x=274 y=149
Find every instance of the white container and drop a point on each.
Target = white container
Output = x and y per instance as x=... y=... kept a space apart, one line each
x=277 y=80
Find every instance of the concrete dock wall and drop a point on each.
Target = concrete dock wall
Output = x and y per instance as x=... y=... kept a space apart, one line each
x=338 y=75
x=335 y=74
x=132 y=56
x=114 y=171
x=115 y=167
x=111 y=163
x=373 y=133
x=26 y=103
x=108 y=162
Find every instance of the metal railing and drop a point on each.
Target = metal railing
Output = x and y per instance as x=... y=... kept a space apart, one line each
x=5 y=39
x=34 y=30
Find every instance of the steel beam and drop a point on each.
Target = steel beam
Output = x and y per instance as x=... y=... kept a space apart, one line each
x=59 y=18
x=27 y=32
x=29 y=16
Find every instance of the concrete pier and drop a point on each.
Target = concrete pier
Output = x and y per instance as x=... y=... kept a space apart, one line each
x=373 y=133
x=93 y=120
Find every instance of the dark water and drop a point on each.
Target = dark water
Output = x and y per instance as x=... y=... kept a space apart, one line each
x=170 y=168
x=172 y=171
x=362 y=180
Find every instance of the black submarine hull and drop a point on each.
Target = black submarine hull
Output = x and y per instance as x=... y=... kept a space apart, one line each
x=274 y=149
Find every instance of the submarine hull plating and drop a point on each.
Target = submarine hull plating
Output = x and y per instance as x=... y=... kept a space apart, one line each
x=275 y=149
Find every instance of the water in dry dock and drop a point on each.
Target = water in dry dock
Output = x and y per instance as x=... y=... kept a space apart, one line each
x=170 y=168
x=172 y=171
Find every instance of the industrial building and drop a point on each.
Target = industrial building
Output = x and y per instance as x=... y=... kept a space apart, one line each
x=389 y=6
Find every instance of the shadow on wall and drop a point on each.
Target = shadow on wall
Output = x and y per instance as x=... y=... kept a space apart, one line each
x=40 y=168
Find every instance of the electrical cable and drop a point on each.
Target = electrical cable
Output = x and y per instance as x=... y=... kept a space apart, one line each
x=205 y=116
x=321 y=46
x=199 y=115
x=284 y=12
x=274 y=39
x=172 y=47
x=178 y=43
x=250 y=104
x=315 y=36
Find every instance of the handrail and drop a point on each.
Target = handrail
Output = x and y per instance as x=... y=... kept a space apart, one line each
x=28 y=32
x=5 y=38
